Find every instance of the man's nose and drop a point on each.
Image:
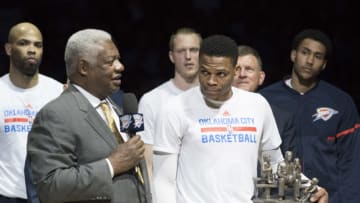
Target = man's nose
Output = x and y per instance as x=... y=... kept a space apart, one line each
x=118 y=65
x=242 y=72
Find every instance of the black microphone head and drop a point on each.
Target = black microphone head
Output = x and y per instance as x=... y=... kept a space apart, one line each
x=130 y=103
x=131 y=121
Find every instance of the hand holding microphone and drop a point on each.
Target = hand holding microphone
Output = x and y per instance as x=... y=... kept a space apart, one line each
x=131 y=123
x=129 y=154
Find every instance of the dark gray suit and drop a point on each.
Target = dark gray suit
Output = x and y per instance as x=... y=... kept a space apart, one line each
x=67 y=145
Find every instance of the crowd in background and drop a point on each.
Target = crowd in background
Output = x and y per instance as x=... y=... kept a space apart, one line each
x=90 y=83
x=141 y=29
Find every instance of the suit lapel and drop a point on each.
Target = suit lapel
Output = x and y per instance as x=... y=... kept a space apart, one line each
x=118 y=109
x=93 y=118
x=97 y=123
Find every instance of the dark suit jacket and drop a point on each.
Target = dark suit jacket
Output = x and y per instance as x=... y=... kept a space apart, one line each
x=67 y=145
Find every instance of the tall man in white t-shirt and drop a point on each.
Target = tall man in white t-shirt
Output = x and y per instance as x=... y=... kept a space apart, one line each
x=208 y=138
x=184 y=54
x=23 y=92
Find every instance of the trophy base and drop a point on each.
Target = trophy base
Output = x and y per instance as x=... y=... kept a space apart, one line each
x=272 y=200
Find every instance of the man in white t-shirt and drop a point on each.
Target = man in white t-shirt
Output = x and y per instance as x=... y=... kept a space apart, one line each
x=23 y=92
x=184 y=54
x=208 y=138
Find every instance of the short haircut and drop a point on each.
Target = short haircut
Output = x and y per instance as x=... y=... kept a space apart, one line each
x=220 y=46
x=183 y=30
x=247 y=50
x=316 y=35
x=83 y=44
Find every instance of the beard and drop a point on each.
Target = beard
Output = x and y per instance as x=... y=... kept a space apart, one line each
x=30 y=69
x=27 y=68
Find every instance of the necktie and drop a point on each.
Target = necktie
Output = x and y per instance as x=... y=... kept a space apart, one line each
x=111 y=123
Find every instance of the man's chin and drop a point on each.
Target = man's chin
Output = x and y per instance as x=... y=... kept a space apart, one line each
x=30 y=73
x=246 y=87
x=30 y=70
x=115 y=89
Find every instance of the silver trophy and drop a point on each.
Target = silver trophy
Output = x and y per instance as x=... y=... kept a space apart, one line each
x=284 y=185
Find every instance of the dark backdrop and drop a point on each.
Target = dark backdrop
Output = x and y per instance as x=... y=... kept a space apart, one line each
x=142 y=30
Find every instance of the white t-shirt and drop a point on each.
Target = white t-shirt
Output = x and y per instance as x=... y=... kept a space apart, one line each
x=217 y=148
x=150 y=105
x=18 y=108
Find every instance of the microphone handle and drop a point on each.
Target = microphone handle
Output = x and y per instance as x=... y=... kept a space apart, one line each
x=143 y=167
x=130 y=134
x=148 y=195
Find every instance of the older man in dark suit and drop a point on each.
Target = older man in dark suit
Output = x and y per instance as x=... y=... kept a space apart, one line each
x=77 y=152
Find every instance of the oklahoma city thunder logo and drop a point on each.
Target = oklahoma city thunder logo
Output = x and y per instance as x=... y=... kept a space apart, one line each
x=125 y=121
x=138 y=120
x=324 y=113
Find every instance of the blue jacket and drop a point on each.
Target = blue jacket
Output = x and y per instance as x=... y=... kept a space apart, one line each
x=326 y=121
x=285 y=123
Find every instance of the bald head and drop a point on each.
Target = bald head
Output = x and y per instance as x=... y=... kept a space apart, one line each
x=25 y=49
x=23 y=29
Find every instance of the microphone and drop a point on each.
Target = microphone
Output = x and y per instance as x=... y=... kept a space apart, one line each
x=131 y=121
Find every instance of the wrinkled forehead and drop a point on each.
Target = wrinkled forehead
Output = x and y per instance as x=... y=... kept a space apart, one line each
x=248 y=60
x=107 y=48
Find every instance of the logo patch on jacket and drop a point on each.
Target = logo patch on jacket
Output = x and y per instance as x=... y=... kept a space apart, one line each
x=324 y=113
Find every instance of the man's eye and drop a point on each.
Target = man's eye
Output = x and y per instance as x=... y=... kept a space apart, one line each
x=319 y=56
x=39 y=45
x=204 y=73
x=222 y=74
x=22 y=43
x=109 y=62
x=194 y=50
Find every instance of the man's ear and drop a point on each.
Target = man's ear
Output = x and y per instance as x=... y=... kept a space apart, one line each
x=293 y=55
x=171 y=56
x=262 y=77
x=83 y=67
x=8 y=49
x=324 y=66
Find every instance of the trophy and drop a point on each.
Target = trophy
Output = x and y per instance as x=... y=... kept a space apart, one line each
x=285 y=185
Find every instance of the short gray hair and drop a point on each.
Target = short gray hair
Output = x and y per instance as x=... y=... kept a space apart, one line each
x=83 y=44
x=248 y=50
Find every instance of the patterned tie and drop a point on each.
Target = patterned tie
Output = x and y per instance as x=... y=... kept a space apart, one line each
x=111 y=123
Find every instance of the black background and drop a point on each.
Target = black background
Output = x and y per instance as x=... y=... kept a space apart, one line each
x=142 y=30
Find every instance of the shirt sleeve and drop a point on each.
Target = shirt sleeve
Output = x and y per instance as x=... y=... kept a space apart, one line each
x=110 y=167
x=146 y=109
x=169 y=128
x=271 y=137
x=165 y=167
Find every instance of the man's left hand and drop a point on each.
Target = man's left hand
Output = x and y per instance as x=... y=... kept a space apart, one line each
x=321 y=196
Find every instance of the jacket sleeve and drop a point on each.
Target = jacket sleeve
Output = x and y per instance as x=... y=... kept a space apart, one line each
x=348 y=145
